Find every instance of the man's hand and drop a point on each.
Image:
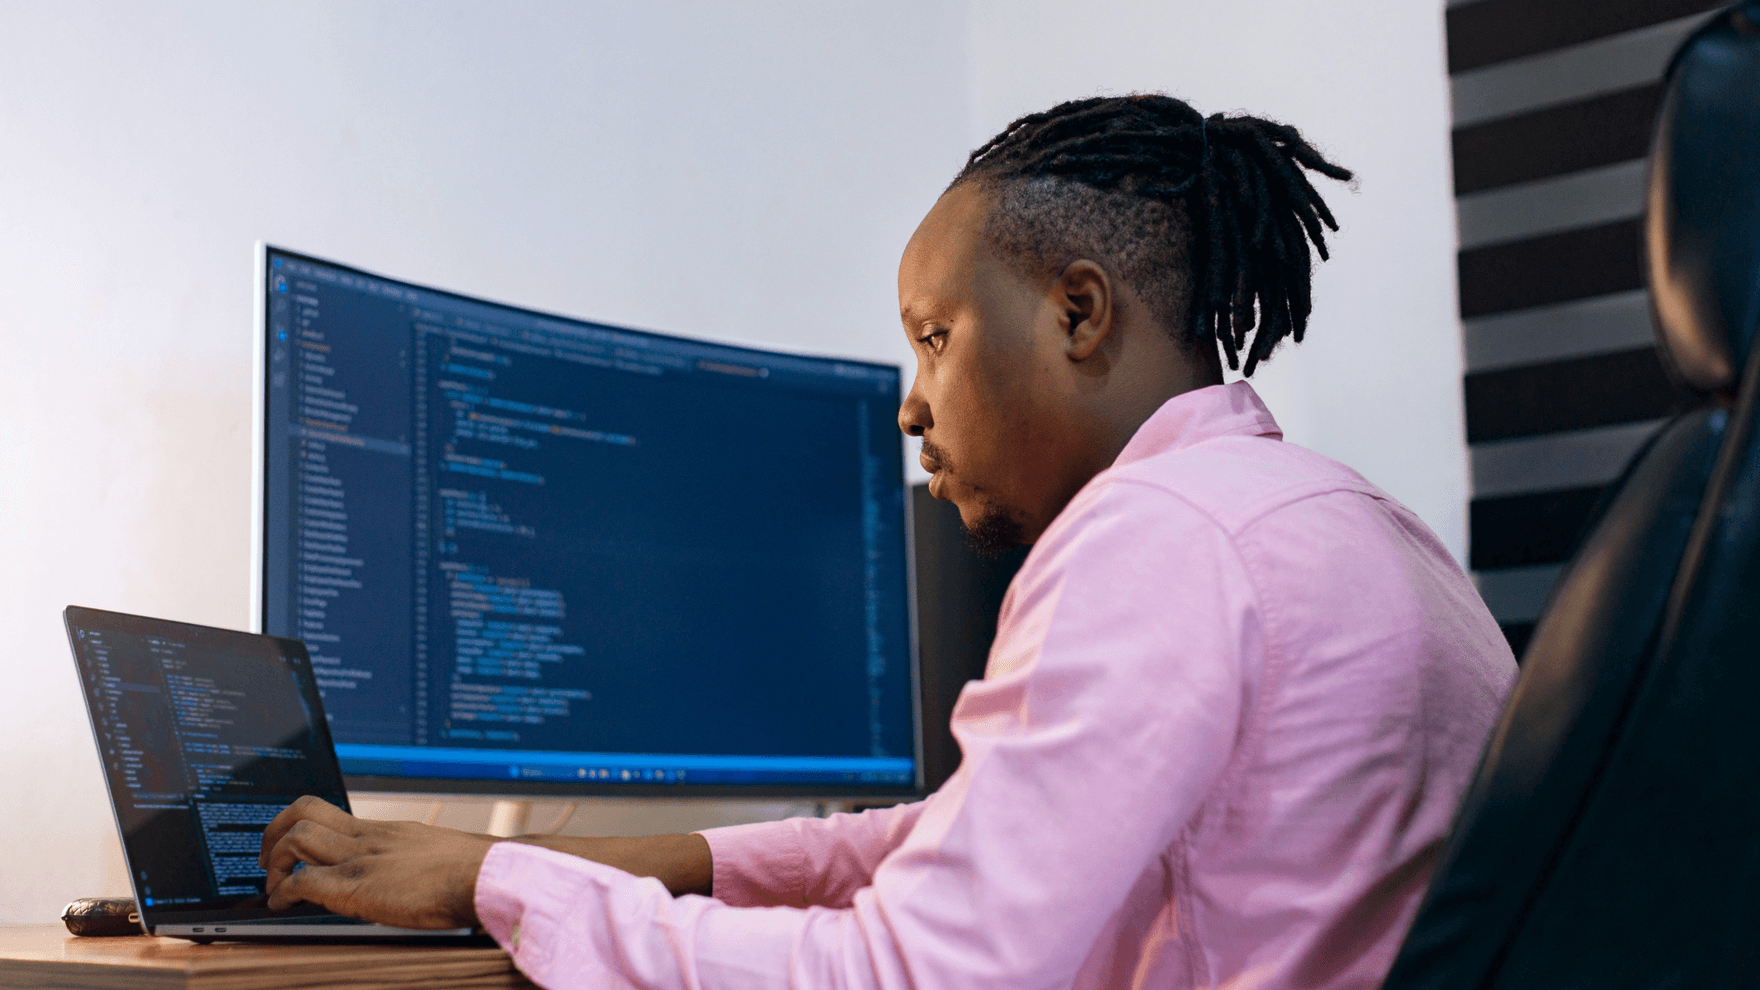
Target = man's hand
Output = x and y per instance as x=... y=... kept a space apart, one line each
x=394 y=873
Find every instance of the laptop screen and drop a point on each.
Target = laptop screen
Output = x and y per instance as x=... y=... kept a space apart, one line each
x=206 y=734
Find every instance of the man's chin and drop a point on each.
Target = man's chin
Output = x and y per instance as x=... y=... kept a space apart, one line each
x=990 y=531
x=993 y=533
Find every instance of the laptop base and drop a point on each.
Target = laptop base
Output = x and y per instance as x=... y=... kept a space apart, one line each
x=319 y=929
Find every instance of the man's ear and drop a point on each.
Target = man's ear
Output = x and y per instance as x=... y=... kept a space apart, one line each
x=1083 y=293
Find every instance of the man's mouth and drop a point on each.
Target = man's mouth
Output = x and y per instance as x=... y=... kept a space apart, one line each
x=930 y=457
x=933 y=461
x=937 y=477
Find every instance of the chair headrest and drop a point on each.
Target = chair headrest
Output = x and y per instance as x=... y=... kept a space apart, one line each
x=1702 y=223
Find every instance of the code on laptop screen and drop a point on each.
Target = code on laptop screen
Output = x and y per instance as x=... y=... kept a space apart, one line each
x=206 y=735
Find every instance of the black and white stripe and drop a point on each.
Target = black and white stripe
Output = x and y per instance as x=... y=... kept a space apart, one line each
x=1553 y=104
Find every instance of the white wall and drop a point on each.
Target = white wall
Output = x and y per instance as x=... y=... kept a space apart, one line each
x=746 y=171
x=1377 y=384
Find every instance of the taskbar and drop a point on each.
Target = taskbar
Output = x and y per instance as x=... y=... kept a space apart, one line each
x=620 y=768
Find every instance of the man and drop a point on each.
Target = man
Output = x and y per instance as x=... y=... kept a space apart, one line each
x=1235 y=692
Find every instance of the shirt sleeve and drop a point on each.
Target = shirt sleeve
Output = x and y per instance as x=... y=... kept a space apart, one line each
x=1110 y=711
x=801 y=862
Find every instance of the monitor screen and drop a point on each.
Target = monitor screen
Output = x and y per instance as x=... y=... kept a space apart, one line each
x=531 y=554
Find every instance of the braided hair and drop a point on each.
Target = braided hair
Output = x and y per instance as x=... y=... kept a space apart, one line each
x=1207 y=218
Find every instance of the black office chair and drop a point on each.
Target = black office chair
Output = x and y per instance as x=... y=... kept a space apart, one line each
x=1611 y=837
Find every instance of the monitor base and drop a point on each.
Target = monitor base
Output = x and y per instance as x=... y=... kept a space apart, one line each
x=508 y=818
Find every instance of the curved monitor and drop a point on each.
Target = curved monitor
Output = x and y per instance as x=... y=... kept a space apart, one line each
x=535 y=555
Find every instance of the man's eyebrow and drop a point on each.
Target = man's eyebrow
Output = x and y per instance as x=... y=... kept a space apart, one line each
x=916 y=314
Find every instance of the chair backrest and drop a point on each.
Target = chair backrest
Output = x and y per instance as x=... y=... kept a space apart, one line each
x=1611 y=836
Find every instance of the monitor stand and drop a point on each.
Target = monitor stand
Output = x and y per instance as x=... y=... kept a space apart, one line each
x=508 y=818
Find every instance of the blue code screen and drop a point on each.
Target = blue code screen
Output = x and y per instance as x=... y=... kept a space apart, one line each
x=525 y=548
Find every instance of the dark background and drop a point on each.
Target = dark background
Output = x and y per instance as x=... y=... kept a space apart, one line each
x=958 y=597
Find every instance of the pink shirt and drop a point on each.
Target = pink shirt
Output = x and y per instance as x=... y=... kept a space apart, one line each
x=1235 y=695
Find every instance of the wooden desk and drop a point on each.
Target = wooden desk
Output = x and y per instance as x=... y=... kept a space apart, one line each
x=45 y=957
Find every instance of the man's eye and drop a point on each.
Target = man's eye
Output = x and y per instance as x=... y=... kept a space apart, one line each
x=933 y=339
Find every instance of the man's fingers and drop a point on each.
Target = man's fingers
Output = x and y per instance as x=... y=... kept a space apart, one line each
x=310 y=843
x=398 y=874
x=307 y=808
x=320 y=885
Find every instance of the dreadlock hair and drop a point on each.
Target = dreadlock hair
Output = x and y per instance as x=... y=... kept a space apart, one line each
x=1126 y=180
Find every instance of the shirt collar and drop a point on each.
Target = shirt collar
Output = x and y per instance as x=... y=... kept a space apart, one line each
x=1199 y=415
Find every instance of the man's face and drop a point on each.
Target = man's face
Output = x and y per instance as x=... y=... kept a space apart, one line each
x=985 y=395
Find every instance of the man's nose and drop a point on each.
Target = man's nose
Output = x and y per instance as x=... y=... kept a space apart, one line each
x=913 y=414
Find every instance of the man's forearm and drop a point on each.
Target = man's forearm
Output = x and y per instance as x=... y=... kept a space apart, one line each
x=681 y=862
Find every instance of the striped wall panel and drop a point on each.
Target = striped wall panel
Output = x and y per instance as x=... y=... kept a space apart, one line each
x=1553 y=105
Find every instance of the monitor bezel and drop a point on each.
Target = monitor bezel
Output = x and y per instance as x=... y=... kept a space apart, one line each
x=525 y=790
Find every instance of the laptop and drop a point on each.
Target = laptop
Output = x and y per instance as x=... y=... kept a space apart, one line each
x=206 y=735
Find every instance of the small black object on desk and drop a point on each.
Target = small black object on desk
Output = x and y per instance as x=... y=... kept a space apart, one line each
x=102 y=916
